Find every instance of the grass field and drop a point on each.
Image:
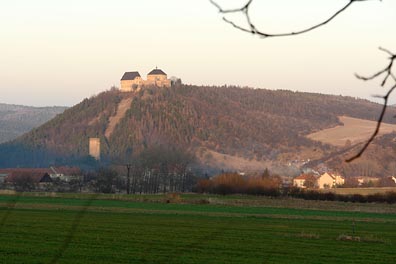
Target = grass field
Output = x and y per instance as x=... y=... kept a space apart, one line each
x=73 y=228
x=354 y=129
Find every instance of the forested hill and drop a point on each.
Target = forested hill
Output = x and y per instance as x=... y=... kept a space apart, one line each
x=17 y=119
x=250 y=123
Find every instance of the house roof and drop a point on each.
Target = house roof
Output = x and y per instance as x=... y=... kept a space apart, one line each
x=130 y=76
x=37 y=175
x=332 y=175
x=304 y=177
x=156 y=72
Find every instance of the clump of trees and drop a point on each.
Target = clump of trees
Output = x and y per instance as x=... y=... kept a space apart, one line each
x=107 y=181
x=158 y=169
x=24 y=183
x=233 y=183
x=162 y=169
x=271 y=185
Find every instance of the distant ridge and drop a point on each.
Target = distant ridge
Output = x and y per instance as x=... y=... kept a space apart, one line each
x=18 y=119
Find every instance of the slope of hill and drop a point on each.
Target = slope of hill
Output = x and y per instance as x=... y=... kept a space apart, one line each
x=16 y=120
x=254 y=125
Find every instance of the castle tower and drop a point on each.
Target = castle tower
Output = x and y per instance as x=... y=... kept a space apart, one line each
x=94 y=148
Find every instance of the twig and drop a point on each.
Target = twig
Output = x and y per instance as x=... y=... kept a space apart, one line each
x=388 y=75
x=253 y=29
x=387 y=71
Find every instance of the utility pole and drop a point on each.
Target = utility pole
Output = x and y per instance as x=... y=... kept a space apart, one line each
x=128 y=166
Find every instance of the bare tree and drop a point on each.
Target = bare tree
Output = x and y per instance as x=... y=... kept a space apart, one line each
x=387 y=71
x=389 y=75
x=106 y=180
x=254 y=30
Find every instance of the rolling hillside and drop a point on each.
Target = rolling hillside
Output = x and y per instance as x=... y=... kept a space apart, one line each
x=16 y=120
x=220 y=125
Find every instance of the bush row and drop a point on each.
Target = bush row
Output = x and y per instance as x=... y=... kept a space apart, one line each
x=233 y=183
x=388 y=197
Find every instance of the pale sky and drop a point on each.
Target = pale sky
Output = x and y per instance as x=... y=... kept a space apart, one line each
x=58 y=52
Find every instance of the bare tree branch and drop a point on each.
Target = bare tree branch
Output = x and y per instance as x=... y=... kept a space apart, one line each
x=387 y=70
x=253 y=29
x=388 y=74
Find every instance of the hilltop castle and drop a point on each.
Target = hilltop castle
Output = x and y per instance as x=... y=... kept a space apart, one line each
x=132 y=81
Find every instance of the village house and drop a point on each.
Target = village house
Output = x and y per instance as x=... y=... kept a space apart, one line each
x=330 y=180
x=324 y=181
x=40 y=177
x=132 y=81
x=304 y=181
x=364 y=181
x=24 y=178
x=65 y=174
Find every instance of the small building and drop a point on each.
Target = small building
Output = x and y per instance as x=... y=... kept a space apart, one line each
x=304 y=181
x=35 y=176
x=324 y=181
x=28 y=179
x=364 y=181
x=65 y=174
x=158 y=78
x=330 y=180
x=131 y=81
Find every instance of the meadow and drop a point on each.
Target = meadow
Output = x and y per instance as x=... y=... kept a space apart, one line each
x=354 y=129
x=74 y=228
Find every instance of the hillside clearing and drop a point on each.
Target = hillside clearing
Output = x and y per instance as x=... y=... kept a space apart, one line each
x=354 y=129
x=122 y=108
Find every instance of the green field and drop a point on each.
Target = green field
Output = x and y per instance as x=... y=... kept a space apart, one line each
x=198 y=229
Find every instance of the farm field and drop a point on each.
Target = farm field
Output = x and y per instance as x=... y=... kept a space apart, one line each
x=354 y=129
x=197 y=229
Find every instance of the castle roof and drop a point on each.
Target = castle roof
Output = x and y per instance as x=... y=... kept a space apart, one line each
x=130 y=75
x=156 y=72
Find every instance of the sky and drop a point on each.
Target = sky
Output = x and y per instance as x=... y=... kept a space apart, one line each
x=58 y=52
